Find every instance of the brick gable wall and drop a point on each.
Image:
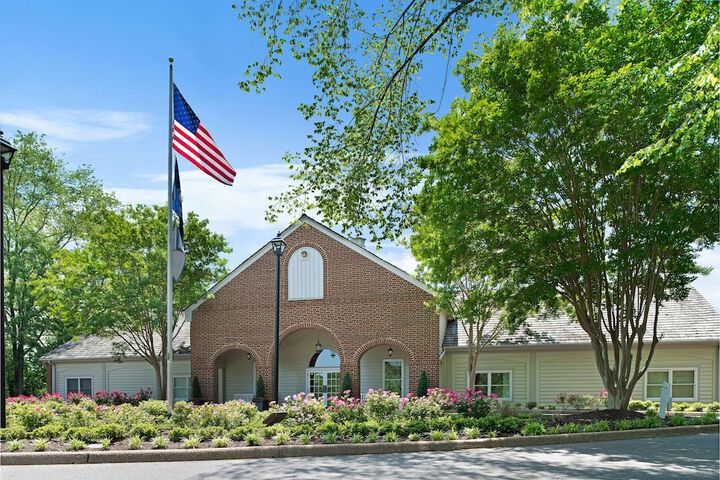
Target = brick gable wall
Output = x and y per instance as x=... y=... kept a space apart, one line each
x=364 y=305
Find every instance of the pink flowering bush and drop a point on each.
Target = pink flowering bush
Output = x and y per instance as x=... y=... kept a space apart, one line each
x=475 y=404
x=382 y=405
x=32 y=415
x=302 y=409
x=232 y=414
x=345 y=409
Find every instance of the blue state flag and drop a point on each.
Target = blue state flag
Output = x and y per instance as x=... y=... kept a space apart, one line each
x=178 y=251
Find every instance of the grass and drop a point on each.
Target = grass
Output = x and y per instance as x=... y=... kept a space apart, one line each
x=192 y=442
x=305 y=438
x=472 y=432
x=40 y=444
x=414 y=437
x=15 y=445
x=437 y=435
x=220 y=442
x=160 y=443
x=105 y=444
x=134 y=442
x=281 y=438
x=76 y=445
x=252 y=439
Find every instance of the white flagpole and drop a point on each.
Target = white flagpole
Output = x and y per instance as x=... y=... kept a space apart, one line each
x=169 y=349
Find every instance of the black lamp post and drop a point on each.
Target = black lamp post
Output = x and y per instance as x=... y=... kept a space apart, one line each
x=278 y=246
x=6 y=154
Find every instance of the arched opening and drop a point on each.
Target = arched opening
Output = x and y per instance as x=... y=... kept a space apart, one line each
x=236 y=376
x=384 y=367
x=309 y=362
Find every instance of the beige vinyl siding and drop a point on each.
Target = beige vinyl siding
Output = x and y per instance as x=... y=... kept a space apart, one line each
x=371 y=365
x=131 y=376
x=92 y=370
x=238 y=376
x=515 y=362
x=294 y=361
x=569 y=371
x=689 y=357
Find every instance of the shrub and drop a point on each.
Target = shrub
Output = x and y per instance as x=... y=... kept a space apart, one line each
x=252 y=439
x=531 y=405
x=533 y=428
x=86 y=434
x=371 y=437
x=220 y=442
x=382 y=404
x=713 y=407
x=391 y=437
x=181 y=413
x=329 y=437
x=414 y=437
x=638 y=405
x=77 y=445
x=571 y=428
x=363 y=428
x=419 y=408
x=303 y=409
x=678 y=420
x=695 y=407
x=437 y=435
x=346 y=382
x=488 y=423
x=113 y=431
x=40 y=444
x=32 y=415
x=144 y=430
x=417 y=426
x=328 y=427
x=345 y=410
x=134 y=442
x=305 y=438
x=472 y=432
x=195 y=390
x=681 y=407
x=155 y=408
x=209 y=433
x=238 y=434
x=15 y=445
x=281 y=438
x=422 y=388
x=492 y=434
x=599 y=426
x=708 y=418
x=48 y=432
x=624 y=425
x=650 y=421
x=260 y=388
x=179 y=434
x=509 y=425
x=159 y=443
x=192 y=442
x=451 y=435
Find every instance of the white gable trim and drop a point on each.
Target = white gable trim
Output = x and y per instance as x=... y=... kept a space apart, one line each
x=304 y=219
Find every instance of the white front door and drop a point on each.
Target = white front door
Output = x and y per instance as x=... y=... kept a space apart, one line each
x=322 y=382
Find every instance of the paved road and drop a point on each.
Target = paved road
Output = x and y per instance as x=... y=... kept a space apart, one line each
x=682 y=457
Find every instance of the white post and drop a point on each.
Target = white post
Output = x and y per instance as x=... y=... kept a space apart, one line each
x=665 y=399
x=169 y=351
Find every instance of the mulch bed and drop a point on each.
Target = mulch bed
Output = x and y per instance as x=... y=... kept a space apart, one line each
x=596 y=415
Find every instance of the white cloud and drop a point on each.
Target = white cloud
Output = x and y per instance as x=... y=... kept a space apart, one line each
x=230 y=210
x=709 y=286
x=78 y=125
x=400 y=257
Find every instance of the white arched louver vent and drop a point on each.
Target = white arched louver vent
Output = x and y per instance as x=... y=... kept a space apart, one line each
x=305 y=275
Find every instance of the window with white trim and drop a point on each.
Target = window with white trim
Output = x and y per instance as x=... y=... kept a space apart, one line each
x=497 y=382
x=683 y=383
x=393 y=375
x=79 y=385
x=181 y=388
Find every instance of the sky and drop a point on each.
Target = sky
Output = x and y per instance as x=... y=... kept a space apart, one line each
x=94 y=78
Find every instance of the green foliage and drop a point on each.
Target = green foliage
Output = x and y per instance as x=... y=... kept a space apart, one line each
x=531 y=405
x=356 y=438
x=179 y=434
x=509 y=425
x=678 y=420
x=76 y=445
x=305 y=438
x=86 y=434
x=159 y=443
x=422 y=386
x=533 y=428
x=13 y=432
x=134 y=442
x=414 y=437
x=196 y=391
x=114 y=281
x=252 y=439
x=192 y=442
x=346 y=382
x=371 y=437
x=695 y=407
x=329 y=437
x=327 y=427
x=208 y=433
x=113 y=431
x=391 y=437
x=144 y=430
x=40 y=444
x=708 y=418
x=238 y=434
x=48 y=205
x=599 y=426
x=32 y=415
x=15 y=445
x=437 y=435
x=712 y=407
x=471 y=432
x=155 y=408
x=181 y=413
x=220 y=442
x=382 y=405
x=281 y=438
x=260 y=388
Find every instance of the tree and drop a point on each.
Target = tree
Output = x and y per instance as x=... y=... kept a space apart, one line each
x=47 y=206
x=114 y=282
x=588 y=186
x=360 y=166
x=422 y=386
x=456 y=262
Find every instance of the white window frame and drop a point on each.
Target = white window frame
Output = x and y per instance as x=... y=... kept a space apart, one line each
x=670 y=381
x=92 y=385
x=402 y=373
x=187 y=379
x=488 y=387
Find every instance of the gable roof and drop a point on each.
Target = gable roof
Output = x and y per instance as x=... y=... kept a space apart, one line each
x=306 y=220
x=690 y=320
x=96 y=347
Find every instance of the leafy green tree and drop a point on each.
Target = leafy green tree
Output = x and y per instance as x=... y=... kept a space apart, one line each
x=366 y=59
x=422 y=386
x=114 y=281
x=47 y=206
x=585 y=158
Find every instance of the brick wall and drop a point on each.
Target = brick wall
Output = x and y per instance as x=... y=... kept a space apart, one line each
x=364 y=305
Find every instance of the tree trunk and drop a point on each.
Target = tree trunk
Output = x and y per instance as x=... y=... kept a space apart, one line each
x=159 y=381
x=472 y=367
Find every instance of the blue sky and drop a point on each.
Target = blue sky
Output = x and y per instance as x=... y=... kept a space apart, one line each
x=93 y=77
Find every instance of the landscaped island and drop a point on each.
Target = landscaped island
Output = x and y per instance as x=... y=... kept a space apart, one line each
x=121 y=422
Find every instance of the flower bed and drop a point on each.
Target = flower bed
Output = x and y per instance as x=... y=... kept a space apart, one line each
x=51 y=423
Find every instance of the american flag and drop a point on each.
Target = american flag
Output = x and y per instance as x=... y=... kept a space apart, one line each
x=192 y=141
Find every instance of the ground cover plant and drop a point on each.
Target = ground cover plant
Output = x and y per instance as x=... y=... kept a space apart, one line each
x=53 y=423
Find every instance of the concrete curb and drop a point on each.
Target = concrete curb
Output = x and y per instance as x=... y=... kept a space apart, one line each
x=237 y=453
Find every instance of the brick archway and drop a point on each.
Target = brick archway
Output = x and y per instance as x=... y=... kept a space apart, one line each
x=229 y=347
x=284 y=334
x=382 y=341
x=413 y=368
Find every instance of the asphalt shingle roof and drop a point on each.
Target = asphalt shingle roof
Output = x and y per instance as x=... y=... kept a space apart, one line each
x=94 y=346
x=691 y=319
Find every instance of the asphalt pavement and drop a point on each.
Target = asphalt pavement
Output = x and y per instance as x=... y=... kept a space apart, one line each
x=681 y=457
